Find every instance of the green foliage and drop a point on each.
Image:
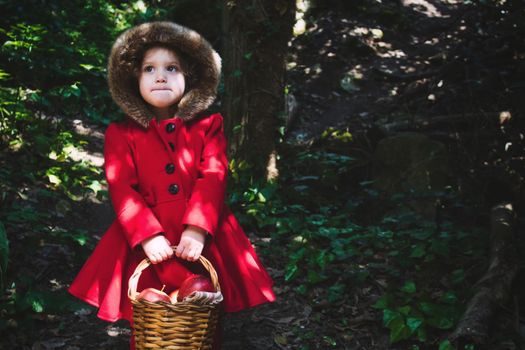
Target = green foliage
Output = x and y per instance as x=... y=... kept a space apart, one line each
x=413 y=318
x=25 y=298
x=415 y=250
x=312 y=216
x=52 y=69
x=58 y=56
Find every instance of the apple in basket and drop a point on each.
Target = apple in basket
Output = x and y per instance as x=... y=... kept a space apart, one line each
x=193 y=284
x=154 y=295
x=173 y=296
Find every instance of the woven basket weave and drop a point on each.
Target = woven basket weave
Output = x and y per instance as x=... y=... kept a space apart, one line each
x=180 y=326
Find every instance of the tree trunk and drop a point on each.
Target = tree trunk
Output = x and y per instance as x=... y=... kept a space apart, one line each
x=494 y=288
x=255 y=37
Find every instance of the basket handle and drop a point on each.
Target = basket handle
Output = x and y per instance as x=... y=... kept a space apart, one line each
x=145 y=263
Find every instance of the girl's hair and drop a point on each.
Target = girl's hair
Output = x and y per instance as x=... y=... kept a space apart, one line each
x=188 y=69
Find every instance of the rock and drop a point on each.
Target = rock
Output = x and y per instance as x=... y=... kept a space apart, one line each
x=412 y=162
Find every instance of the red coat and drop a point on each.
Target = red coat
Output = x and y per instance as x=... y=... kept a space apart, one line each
x=160 y=179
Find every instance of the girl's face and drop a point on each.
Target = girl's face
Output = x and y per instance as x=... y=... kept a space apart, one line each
x=161 y=81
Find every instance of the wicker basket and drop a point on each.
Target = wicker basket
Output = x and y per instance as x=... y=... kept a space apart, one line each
x=180 y=326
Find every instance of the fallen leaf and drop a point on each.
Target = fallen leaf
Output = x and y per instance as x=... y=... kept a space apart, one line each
x=280 y=339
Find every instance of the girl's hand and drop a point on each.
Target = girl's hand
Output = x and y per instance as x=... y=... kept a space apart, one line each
x=157 y=249
x=191 y=243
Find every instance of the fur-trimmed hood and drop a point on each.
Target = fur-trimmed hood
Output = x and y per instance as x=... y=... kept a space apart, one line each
x=127 y=53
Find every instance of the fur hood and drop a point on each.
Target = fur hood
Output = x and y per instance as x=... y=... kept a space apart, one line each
x=127 y=53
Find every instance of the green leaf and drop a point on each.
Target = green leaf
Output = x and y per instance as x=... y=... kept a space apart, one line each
x=441 y=322
x=414 y=323
x=393 y=252
x=321 y=259
x=427 y=308
x=422 y=334
x=409 y=287
x=4 y=75
x=439 y=316
x=37 y=306
x=298 y=254
x=95 y=186
x=237 y=73
x=23 y=215
x=50 y=301
x=396 y=323
x=237 y=129
x=261 y=197
x=87 y=67
x=336 y=292
x=421 y=234
x=389 y=316
x=449 y=298
x=291 y=272
x=382 y=303
x=301 y=289
x=446 y=345
x=329 y=340
x=404 y=310
x=55 y=180
x=418 y=250
x=458 y=276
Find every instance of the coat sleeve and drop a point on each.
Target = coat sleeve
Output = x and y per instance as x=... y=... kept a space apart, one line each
x=207 y=198
x=135 y=217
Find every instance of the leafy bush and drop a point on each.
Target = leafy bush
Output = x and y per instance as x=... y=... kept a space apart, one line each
x=312 y=215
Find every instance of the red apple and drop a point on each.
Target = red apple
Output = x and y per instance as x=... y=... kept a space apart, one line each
x=196 y=283
x=154 y=295
x=173 y=296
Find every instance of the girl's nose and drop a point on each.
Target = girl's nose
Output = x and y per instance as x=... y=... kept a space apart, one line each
x=160 y=78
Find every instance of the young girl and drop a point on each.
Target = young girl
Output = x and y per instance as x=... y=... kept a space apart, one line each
x=166 y=171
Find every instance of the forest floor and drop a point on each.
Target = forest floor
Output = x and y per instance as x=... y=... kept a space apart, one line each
x=345 y=72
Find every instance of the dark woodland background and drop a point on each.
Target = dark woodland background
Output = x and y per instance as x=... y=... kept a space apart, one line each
x=376 y=163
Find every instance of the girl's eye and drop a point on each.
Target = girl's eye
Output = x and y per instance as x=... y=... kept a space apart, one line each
x=172 y=69
x=148 y=69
